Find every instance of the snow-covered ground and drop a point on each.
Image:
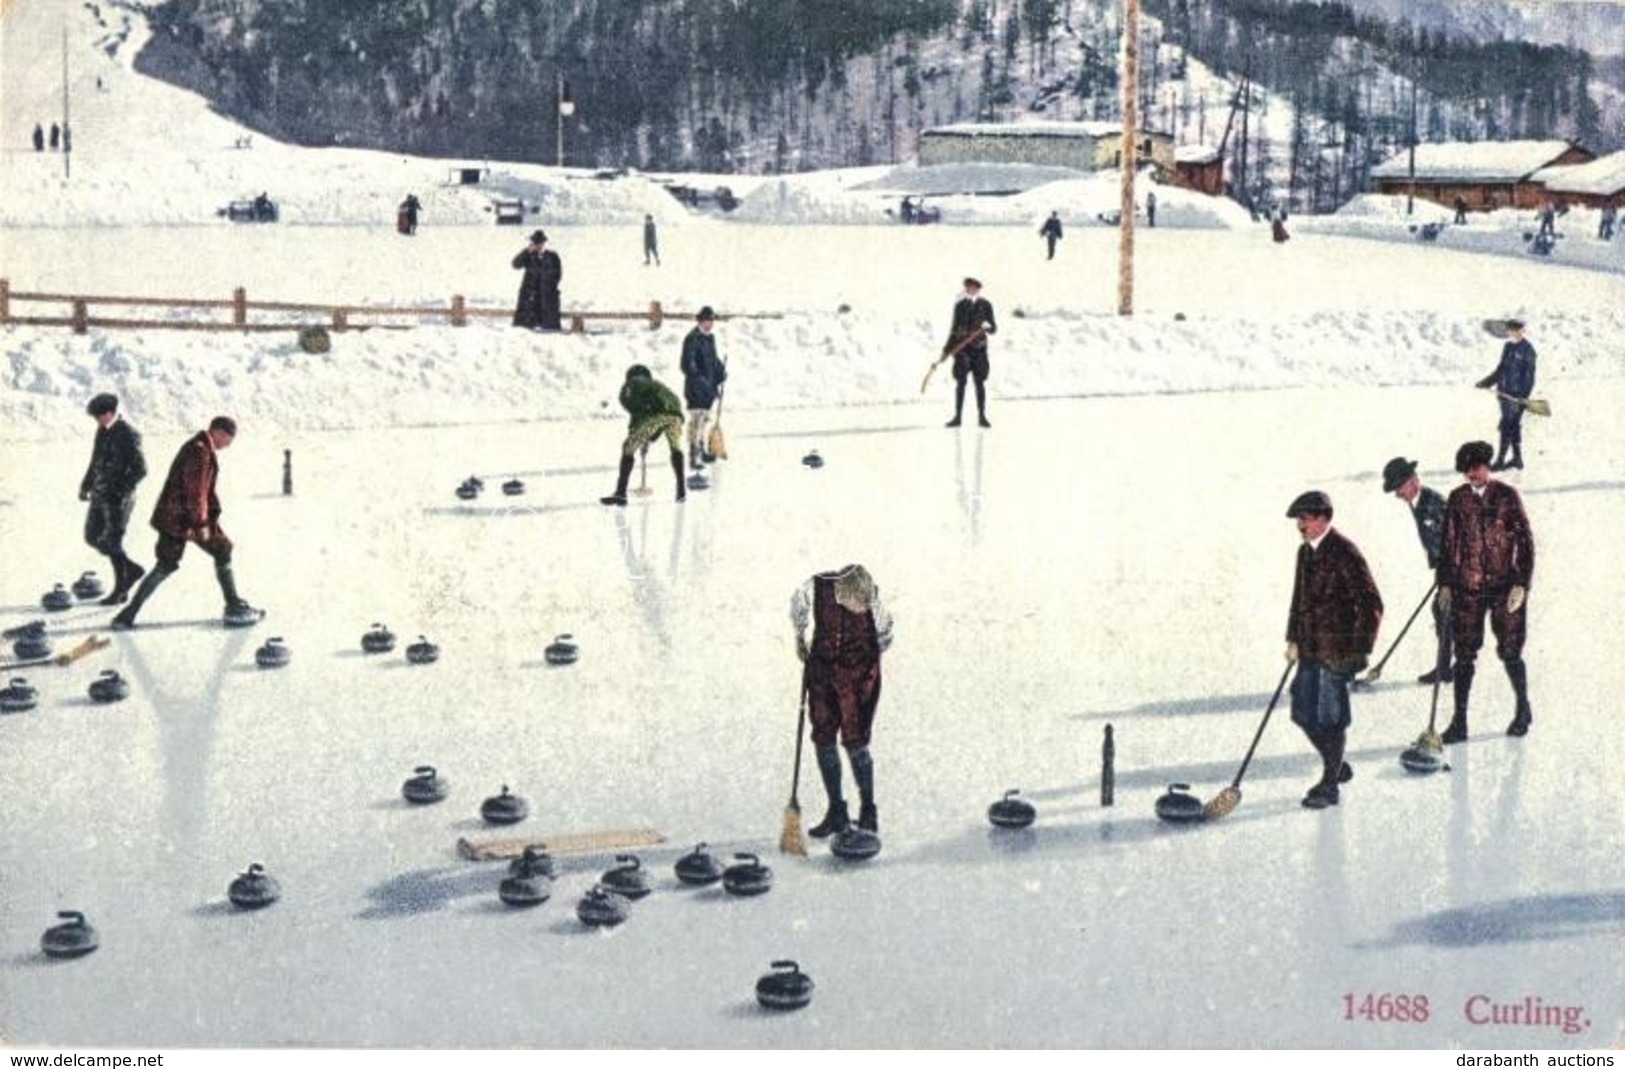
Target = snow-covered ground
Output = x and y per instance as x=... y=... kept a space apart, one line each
x=1113 y=551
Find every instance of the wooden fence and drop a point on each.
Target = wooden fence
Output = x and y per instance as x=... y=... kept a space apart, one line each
x=457 y=312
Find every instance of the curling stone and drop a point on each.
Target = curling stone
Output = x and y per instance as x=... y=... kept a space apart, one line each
x=274 y=654
x=813 y=460
x=73 y=938
x=19 y=697
x=109 y=687
x=470 y=488
x=379 y=639
x=562 y=650
x=88 y=586
x=855 y=844
x=32 y=644
x=627 y=878
x=1423 y=759
x=242 y=615
x=422 y=652
x=748 y=877
x=504 y=808
x=1012 y=812
x=698 y=868
x=425 y=786
x=56 y=599
x=535 y=861
x=1179 y=806
x=699 y=481
x=254 y=889
x=522 y=892
x=600 y=909
x=513 y=487
x=785 y=988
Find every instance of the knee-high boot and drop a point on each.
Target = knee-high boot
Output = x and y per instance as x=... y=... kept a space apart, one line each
x=835 y=818
x=1518 y=675
x=1463 y=688
x=126 y=617
x=624 y=477
x=863 y=771
x=677 y=470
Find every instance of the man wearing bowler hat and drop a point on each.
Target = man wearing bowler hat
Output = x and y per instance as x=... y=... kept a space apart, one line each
x=1427 y=509
x=1514 y=380
x=116 y=466
x=1486 y=563
x=538 y=305
x=1330 y=630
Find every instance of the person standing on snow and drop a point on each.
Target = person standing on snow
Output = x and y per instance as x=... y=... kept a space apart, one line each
x=655 y=413
x=538 y=307
x=651 y=241
x=116 y=467
x=841 y=630
x=1051 y=232
x=703 y=376
x=1514 y=379
x=407 y=215
x=1427 y=509
x=1151 y=209
x=1486 y=563
x=967 y=340
x=188 y=510
x=1330 y=630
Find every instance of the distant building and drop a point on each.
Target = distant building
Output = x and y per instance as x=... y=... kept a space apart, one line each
x=1484 y=174
x=1587 y=185
x=1083 y=146
x=1199 y=167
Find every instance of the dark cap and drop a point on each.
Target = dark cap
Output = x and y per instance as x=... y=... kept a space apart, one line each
x=973 y=283
x=1312 y=502
x=705 y=312
x=102 y=404
x=538 y=237
x=638 y=371
x=1472 y=454
x=1396 y=473
x=1514 y=323
x=225 y=424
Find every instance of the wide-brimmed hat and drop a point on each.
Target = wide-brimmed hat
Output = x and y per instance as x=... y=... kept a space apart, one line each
x=1397 y=473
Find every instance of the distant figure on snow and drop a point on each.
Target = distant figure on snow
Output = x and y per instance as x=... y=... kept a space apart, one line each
x=655 y=413
x=1461 y=210
x=116 y=467
x=406 y=217
x=56 y=136
x=188 y=510
x=1605 y=223
x=39 y=138
x=907 y=209
x=538 y=306
x=1548 y=219
x=1278 y=224
x=651 y=241
x=1051 y=232
x=1151 y=209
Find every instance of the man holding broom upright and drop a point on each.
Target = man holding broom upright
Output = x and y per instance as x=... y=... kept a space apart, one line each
x=1330 y=630
x=841 y=631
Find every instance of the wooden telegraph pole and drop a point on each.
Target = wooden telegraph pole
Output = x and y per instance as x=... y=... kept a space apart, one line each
x=67 y=138
x=1129 y=157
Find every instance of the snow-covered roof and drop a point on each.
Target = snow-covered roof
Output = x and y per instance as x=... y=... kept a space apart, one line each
x=1603 y=176
x=1196 y=154
x=1033 y=129
x=1503 y=161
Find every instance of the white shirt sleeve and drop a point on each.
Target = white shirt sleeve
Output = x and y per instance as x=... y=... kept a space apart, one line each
x=883 y=622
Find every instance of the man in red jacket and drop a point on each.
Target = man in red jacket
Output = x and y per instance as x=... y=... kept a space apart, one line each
x=1330 y=630
x=189 y=511
x=1486 y=563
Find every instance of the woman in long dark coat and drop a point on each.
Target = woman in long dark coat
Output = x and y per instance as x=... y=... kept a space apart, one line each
x=538 y=305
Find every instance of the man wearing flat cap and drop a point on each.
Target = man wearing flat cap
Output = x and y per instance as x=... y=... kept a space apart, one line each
x=1427 y=509
x=538 y=307
x=1514 y=380
x=967 y=341
x=1486 y=563
x=116 y=466
x=1330 y=630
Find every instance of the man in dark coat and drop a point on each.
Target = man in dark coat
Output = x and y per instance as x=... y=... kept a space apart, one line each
x=1486 y=563
x=188 y=510
x=655 y=412
x=39 y=138
x=1330 y=630
x=538 y=305
x=1427 y=509
x=651 y=241
x=1051 y=232
x=703 y=376
x=116 y=466
x=1514 y=379
x=407 y=217
x=841 y=630
x=967 y=340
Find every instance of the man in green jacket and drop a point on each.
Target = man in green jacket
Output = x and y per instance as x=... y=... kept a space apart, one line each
x=655 y=412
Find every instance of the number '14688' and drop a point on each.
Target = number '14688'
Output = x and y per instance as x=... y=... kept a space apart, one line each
x=1406 y=1009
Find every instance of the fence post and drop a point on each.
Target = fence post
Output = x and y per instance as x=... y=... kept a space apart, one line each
x=578 y=324
x=655 y=315
x=5 y=299
x=341 y=319
x=81 y=316
x=239 y=307
x=459 y=311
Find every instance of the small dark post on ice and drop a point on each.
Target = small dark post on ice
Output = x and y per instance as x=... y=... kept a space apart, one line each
x=287 y=472
x=1108 y=773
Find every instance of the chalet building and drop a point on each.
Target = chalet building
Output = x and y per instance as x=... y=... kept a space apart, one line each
x=1199 y=167
x=1485 y=174
x=1082 y=146
x=1587 y=185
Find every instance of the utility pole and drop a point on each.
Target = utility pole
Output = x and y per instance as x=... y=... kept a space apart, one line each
x=567 y=108
x=1129 y=157
x=1410 y=191
x=67 y=137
